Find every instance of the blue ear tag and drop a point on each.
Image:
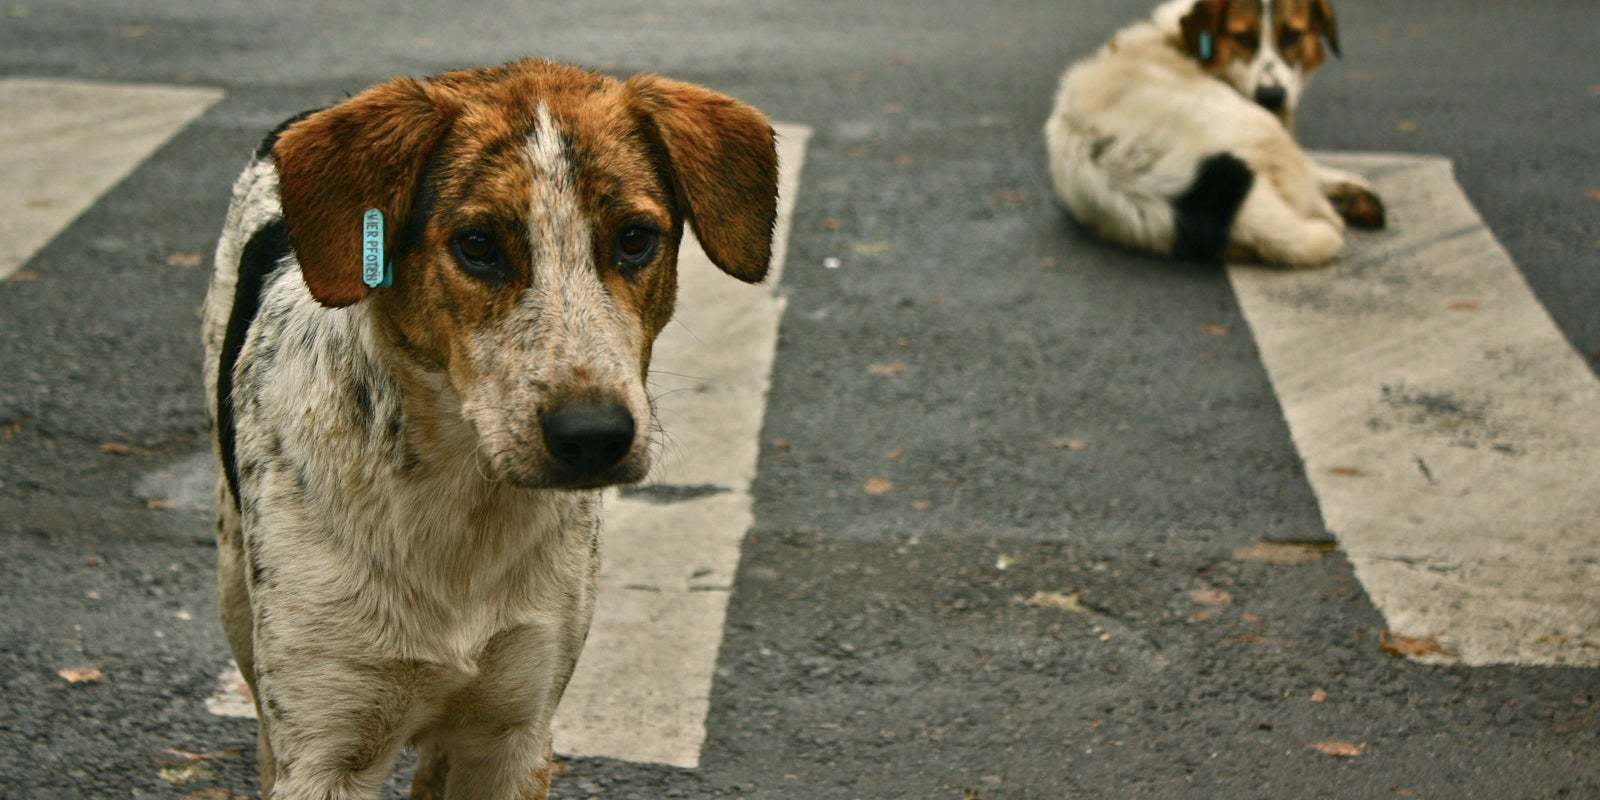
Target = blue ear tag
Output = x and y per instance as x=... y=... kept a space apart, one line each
x=1205 y=45
x=375 y=271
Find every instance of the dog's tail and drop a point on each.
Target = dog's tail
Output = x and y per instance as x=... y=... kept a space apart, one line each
x=1140 y=195
x=1203 y=215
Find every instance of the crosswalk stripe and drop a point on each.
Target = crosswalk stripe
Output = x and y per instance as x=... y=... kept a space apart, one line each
x=1450 y=432
x=643 y=685
x=64 y=143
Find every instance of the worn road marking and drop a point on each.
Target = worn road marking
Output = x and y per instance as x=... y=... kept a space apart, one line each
x=643 y=684
x=64 y=143
x=1449 y=430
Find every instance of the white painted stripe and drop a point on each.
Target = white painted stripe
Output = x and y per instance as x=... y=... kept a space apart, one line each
x=643 y=685
x=1451 y=433
x=64 y=143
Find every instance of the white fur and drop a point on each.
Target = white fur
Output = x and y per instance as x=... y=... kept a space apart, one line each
x=1132 y=123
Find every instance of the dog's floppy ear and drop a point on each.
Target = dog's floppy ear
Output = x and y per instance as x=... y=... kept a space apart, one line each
x=365 y=152
x=1202 y=29
x=724 y=163
x=1325 y=23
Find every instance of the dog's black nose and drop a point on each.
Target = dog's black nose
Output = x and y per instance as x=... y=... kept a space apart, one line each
x=588 y=437
x=1272 y=98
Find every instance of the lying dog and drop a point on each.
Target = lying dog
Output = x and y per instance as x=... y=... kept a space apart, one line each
x=407 y=516
x=1175 y=137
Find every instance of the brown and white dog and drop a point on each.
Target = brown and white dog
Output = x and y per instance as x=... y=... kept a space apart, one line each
x=1177 y=136
x=407 y=518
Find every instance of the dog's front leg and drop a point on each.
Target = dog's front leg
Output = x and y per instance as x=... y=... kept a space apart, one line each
x=1352 y=197
x=335 y=725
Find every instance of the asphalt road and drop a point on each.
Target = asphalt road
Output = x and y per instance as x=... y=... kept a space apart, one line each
x=872 y=649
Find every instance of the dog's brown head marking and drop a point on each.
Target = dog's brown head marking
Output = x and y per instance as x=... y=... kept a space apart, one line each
x=1267 y=49
x=536 y=212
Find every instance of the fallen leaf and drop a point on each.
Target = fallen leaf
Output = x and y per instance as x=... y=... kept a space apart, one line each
x=831 y=224
x=1245 y=638
x=1250 y=619
x=9 y=429
x=1406 y=126
x=1202 y=615
x=1211 y=597
x=921 y=505
x=1047 y=261
x=1069 y=444
x=1594 y=194
x=187 y=757
x=893 y=108
x=895 y=454
x=780 y=443
x=1069 y=601
x=1412 y=646
x=1595 y=90
x=971 y=794
x=1282 y=554
x=1345 y=472
x=888 y=369
x=1319 y=696
x=23 y=276
x=856 y=152
x=155 y=504
x=877 y=486
x=1463 y=305
x=115 y=448
x=80 y=674
x=1213 y=329
x=1094 y=724
x=904 y=160
x=1010 y=197
x=871 y=248
x=133 y=31
x=1006 y=561
x=183 y=260
x=1337 y=748
x=181 y=774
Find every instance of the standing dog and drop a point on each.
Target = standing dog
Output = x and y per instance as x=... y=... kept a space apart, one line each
x=1176 y=136
x=407 y=517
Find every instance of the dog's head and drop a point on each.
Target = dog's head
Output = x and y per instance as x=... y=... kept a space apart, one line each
x=1267 y=49
x=534 y=216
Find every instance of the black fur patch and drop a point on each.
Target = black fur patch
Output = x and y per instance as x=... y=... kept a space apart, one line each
x=261 y=255
x=265 y=148
x=1203 y=215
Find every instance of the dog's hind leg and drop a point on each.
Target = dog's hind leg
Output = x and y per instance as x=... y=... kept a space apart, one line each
x=1269 y=229
x=233 y=605
x=1352 y=197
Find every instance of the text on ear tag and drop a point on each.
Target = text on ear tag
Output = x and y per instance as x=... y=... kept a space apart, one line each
x=375 y=271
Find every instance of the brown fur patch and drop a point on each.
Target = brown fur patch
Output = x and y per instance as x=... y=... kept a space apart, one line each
x=724 y=162
x=1359 y=207
x=447 y=153
x=333 y=165
x=1234 y=27
x=1299 y=28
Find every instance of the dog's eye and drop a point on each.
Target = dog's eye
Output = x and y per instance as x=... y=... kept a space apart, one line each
x=1247 y=40
x=478 y=254
x=1288 y=37
x=636 y=245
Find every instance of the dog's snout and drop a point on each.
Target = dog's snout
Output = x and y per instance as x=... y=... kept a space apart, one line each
x=588 y=437
x=1272 y=98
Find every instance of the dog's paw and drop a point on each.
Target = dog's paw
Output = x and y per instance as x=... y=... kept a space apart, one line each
x=1359 y=206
